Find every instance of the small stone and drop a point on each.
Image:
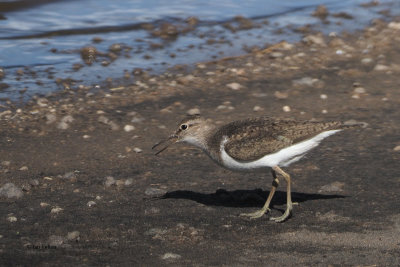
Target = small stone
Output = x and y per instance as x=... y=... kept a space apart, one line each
x=109 y=181
x=323 y=96
x=396 y=148
x=12 y=219
x=276 y=55
x=44 y=204
x=171 y=256
x=137 y=150
x=151 y=191
x=366 y=61
x=56 y=210
x=314 y=39
x=394 y=25
x=321 y=12
x=34 y=182
x=305 y=81
x=120 y=182
x=281 y=95
x=234 y=86
x=359 y=90
x=128 y=181
x=286 y=109
x=257 y=108
x=128 y=128
x=23 y=168
x=65 y=121
x=74 y=235
x=152 y=210
x=332 y=187
x=86 y=136
x=381 y=67
x=324 y=111
x=10 y=190
x=6 y=163
x=71 y=176
x=56 y=240
x=193 y=111
x=91 y=203
x=50 y=118
x=42 y=102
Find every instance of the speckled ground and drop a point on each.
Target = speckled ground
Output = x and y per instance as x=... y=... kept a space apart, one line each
x=94 y=193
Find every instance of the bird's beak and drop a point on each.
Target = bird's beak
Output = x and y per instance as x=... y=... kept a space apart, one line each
x=166 y=142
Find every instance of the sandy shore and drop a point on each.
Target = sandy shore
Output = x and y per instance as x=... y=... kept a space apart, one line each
x=85 y=181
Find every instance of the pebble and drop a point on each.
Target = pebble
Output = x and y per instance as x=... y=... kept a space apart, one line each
x=86 y=136
x=120 y=182
x=314 y=39
x=12 y=219
x=6 y=163
x=366 y=61
x=307 y=81
x=396 y=148
x=324 y=111
x=128 y=128
x=234 y=86
x=381 y=67
x=185 y=79
x=50 y=118
x=137 y=150
x=23 y=168
x=193 y=111
x=151 y=191
x=109 y=181
x=276 y=55
x=71 y=176
x=108 y=122
x=65 y=121
x=44 y=204
x=332 y=187
x=10 y=190
x=34 y=182
x=91 y=203
x=74 y=235
x=128 y=181
x=394 y=25
x=281 y=95
x=56 y=240
x=169 y=255
x=56 y=210
x=359 y=90
x=42 y=102
x=286 y=109
x=323 y=96
x=257 y=108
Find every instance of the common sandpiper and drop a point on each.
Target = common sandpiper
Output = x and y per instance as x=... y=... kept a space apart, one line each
x=255 y=143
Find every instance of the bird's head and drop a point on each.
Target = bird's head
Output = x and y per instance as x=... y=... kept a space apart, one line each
x=191 y=129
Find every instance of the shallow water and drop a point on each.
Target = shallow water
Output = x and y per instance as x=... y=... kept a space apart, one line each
x=41 y=41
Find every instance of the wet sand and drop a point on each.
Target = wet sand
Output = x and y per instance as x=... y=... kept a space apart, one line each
x=88 y=190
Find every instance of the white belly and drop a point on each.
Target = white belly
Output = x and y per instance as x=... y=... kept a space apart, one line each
x=283 y=157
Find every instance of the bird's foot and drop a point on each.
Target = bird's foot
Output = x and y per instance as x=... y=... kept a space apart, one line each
x=256 y=214
x=285 y=215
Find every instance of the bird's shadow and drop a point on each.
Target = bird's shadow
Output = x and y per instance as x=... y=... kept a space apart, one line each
x=243 y=198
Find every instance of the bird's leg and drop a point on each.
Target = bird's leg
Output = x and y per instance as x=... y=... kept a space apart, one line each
x=289 y=203
x=265 y=209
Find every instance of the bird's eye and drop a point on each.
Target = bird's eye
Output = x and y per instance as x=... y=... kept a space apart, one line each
x=184 y=126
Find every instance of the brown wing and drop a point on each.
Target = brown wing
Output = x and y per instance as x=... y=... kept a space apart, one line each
x=253 y=139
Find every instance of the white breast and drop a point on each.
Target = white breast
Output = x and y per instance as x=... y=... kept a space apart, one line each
x=283 y=157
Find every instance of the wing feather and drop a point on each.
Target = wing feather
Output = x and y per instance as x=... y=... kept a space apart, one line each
x=252 y=139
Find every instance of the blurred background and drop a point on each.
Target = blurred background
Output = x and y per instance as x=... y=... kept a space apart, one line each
x=47 y=45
